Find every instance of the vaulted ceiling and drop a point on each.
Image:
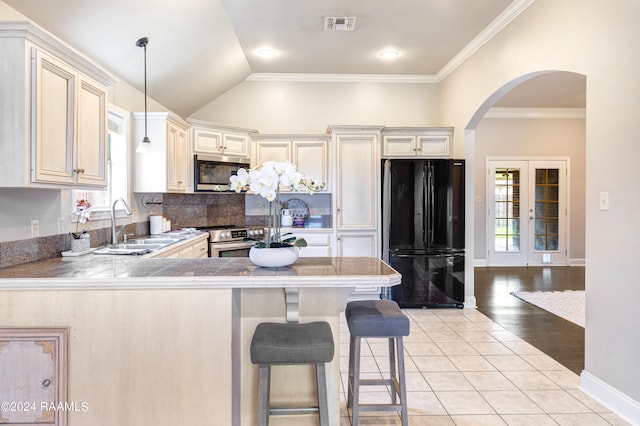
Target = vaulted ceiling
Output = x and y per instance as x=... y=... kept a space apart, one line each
x=199 y=49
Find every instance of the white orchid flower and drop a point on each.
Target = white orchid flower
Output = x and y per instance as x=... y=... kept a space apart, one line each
x=265 y=180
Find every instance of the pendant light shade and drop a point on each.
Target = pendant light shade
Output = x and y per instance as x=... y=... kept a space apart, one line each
x=143 y=43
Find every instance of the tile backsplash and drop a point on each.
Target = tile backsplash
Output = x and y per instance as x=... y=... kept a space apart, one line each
x=183 y=210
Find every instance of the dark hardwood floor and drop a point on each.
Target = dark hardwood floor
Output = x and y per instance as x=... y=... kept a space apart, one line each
x=560 y=339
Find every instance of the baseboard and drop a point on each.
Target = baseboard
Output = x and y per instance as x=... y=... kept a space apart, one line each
x=470 y=302
x=482 y=263
x=625 y=407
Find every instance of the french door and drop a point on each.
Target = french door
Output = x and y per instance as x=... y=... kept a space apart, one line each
x=527 y=212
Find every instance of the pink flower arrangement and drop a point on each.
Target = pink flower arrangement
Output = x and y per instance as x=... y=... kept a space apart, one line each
x=83 y=213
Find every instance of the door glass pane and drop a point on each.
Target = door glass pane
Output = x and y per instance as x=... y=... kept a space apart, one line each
x=507 y=210
x=546 y=210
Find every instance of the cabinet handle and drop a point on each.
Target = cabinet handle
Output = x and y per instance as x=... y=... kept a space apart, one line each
x=46 y=382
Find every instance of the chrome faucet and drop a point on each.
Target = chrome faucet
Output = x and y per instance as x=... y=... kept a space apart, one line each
x=114 y=234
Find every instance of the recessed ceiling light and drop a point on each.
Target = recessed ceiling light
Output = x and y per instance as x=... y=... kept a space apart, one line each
x=266 y=52
x=389 y=54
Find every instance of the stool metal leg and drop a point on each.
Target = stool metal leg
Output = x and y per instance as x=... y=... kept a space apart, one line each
x=354 y=382
x=264 y=384
x=392 y=369
x=403 y=387
x=323 y=403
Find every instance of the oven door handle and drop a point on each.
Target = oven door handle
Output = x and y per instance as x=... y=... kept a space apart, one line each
x=227 y=246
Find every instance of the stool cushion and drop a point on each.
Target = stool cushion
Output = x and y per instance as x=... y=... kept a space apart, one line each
x=292 y=343
x=376 y=318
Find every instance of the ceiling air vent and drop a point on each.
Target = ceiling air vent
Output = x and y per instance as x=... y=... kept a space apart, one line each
x=339 y=23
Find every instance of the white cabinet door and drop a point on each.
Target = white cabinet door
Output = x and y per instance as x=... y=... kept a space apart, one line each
x=311 y=159
x=358 y=181
x=33 y=376
x=207 y=141
x=235 y=145
x=318 y=243
x=177 y=158
x=54 y=113
x=271 y=151
x=399 y=146
x=352 y=244
x=434 y=146
x=92 y=134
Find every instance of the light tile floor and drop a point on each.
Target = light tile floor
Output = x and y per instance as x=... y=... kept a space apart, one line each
x=464 y=369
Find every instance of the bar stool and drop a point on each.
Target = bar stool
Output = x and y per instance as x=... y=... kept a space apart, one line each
x=292 y=344
x=377 y=319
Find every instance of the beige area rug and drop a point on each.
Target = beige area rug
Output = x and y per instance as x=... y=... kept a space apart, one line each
x=565 y=304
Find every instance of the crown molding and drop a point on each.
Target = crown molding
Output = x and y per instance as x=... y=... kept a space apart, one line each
x=341 y=78
x=501 y=21
x=536 y=113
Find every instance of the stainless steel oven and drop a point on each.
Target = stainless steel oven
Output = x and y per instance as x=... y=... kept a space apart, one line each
x=229 y=242
x=212 y=172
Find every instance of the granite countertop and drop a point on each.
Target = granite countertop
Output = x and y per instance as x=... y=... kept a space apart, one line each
x=132 y=272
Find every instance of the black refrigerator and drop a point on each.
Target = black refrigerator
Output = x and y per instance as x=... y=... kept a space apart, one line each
x=423 y=231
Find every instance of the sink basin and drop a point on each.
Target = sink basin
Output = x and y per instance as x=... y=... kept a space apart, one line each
x=152 y=241
x=128 y=248
x=138 y=246
x=135 y=246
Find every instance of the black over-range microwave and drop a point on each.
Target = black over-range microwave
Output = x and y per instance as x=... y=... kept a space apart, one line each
x=212 y=172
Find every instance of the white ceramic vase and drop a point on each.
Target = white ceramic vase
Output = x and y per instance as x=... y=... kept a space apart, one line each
x=80 y=244
x=276 y=257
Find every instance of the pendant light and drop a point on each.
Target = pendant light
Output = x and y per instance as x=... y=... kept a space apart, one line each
x=143 y=43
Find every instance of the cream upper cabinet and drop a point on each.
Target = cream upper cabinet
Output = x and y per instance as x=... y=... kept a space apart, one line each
x=210 y=138
x=424 y=142
x=309 y=153
x=357 y=179
x=164 y=164
x=53 y=112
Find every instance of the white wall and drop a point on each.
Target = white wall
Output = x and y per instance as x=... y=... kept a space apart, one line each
x=532 y=137
x=597 y=39
x=299 y=107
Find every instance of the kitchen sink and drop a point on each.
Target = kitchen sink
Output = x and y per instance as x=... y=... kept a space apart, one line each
x=138 y=246
x=131 y=248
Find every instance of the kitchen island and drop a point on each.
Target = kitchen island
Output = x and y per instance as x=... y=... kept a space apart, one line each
x=166 y=341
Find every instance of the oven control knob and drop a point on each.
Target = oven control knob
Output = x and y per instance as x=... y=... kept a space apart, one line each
x=224 y=234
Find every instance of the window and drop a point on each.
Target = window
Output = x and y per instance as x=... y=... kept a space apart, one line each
x=117 y=165
x=507 y=210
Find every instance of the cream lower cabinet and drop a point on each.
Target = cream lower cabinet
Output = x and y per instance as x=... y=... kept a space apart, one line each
x=165 y=164
x=53 y=111
x=33 y=376
x=318 y=242
x=309 y=153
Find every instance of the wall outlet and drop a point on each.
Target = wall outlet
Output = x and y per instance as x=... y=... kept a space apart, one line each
x=35 y=228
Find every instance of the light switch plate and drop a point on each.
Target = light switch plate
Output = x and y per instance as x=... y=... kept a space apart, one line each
x=35 y=228
x=604 y=201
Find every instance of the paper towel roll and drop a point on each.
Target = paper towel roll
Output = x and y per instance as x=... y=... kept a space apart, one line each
x=156 y=223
